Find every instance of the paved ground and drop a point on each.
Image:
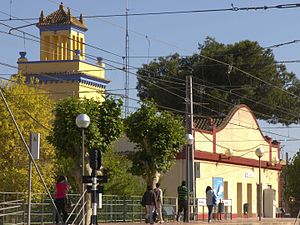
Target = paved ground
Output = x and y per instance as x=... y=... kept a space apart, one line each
x=281 y=221
x=277 y=221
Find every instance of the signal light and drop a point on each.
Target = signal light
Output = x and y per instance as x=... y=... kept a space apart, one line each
x=95 y=159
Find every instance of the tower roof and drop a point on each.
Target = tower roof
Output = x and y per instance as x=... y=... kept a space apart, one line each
x=61 y=17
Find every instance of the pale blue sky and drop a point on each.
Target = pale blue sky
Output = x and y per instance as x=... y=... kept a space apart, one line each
x=163 y=34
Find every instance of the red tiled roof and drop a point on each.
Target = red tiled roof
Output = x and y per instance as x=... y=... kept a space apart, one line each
x=206 y=123
x=59 y=17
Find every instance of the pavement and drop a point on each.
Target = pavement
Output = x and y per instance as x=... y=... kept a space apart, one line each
x=254 y=221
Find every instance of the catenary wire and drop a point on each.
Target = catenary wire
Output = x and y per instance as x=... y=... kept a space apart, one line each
x=176 y=12
x=224 y=63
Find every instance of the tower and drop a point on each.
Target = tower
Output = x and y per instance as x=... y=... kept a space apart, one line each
x=62 y=69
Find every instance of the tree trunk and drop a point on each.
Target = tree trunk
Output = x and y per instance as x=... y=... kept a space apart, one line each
x=152 y=179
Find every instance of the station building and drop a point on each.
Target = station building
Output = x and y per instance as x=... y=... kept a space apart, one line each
x=225 y=159
x=63 y=69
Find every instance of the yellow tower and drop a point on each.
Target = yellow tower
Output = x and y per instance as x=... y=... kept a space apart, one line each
x=62 y=69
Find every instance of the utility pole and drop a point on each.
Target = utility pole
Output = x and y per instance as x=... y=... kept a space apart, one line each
x=190 y=147
x=187 y=155
x=126 y=64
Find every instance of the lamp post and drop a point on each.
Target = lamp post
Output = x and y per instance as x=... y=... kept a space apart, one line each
x=82 y=121
x=259 y=153
x=190 y=171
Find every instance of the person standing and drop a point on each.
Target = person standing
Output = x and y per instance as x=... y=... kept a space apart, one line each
x=182 y=201
x=61 y=191
x=211 y=201
x=159 y=199
x=150 y=203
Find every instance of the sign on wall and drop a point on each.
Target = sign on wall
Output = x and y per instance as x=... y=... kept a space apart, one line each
x=218 y=187
x=249 y=174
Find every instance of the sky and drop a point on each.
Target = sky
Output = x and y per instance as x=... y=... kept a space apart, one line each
x=160 y=35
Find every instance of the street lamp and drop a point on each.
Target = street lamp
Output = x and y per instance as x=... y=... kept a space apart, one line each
x=190 y=171
x=259 y=153
x=82 y=121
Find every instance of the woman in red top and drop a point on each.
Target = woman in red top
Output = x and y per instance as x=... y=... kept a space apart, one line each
x=61 y=191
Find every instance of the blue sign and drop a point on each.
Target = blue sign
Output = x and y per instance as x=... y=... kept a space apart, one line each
x=218 y=187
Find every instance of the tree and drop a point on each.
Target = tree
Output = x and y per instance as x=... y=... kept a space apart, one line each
x=292 y=185
x=33 y=113
x=121 y=182
x=105 y=127
x=220 y=86
x=158 y=136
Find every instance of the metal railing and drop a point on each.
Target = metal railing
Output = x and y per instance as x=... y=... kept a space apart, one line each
x=12 y=212
x=125 y=209
x=114 y=208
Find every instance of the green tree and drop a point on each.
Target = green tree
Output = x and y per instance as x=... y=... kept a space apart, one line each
x=33 y=113
x=291 y=184
x=221 y=86
x=105 y=127
x=121 y=182
x=158 y=136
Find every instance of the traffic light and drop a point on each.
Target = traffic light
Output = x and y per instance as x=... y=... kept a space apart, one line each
x=95 y=159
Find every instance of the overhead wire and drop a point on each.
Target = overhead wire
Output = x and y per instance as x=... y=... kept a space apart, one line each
x=176 y=12
x=255 y=77
x=213 y=87
x=233 y=8
x=249 y=99
x=61 y=79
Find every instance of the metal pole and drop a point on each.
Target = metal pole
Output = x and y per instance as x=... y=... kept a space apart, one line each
x=259 y=195
x=126 y=64
x=187 y=155
x=192 y=171
x=29 y=192
x=83 y=187
x=94 y=198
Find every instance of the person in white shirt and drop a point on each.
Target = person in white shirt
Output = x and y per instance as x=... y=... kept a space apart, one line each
x=211 y=201
x=159 y=199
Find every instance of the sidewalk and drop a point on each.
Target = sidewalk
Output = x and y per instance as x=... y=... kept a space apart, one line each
x=277 y=221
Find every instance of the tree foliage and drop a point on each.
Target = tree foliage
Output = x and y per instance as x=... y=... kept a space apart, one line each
x=220 y=86
x=33 y=113
x=105 y=127
x=158 y=137
x=121 y=181
x=292 y=184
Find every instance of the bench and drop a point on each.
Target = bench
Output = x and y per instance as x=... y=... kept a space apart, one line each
x=169 y=212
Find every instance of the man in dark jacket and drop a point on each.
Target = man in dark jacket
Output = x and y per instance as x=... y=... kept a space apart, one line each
x=149 y=200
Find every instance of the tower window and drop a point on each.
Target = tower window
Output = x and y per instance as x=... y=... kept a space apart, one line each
x=81 y=46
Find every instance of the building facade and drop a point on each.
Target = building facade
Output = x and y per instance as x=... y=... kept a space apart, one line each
x=225 y=159
x=63 y=69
